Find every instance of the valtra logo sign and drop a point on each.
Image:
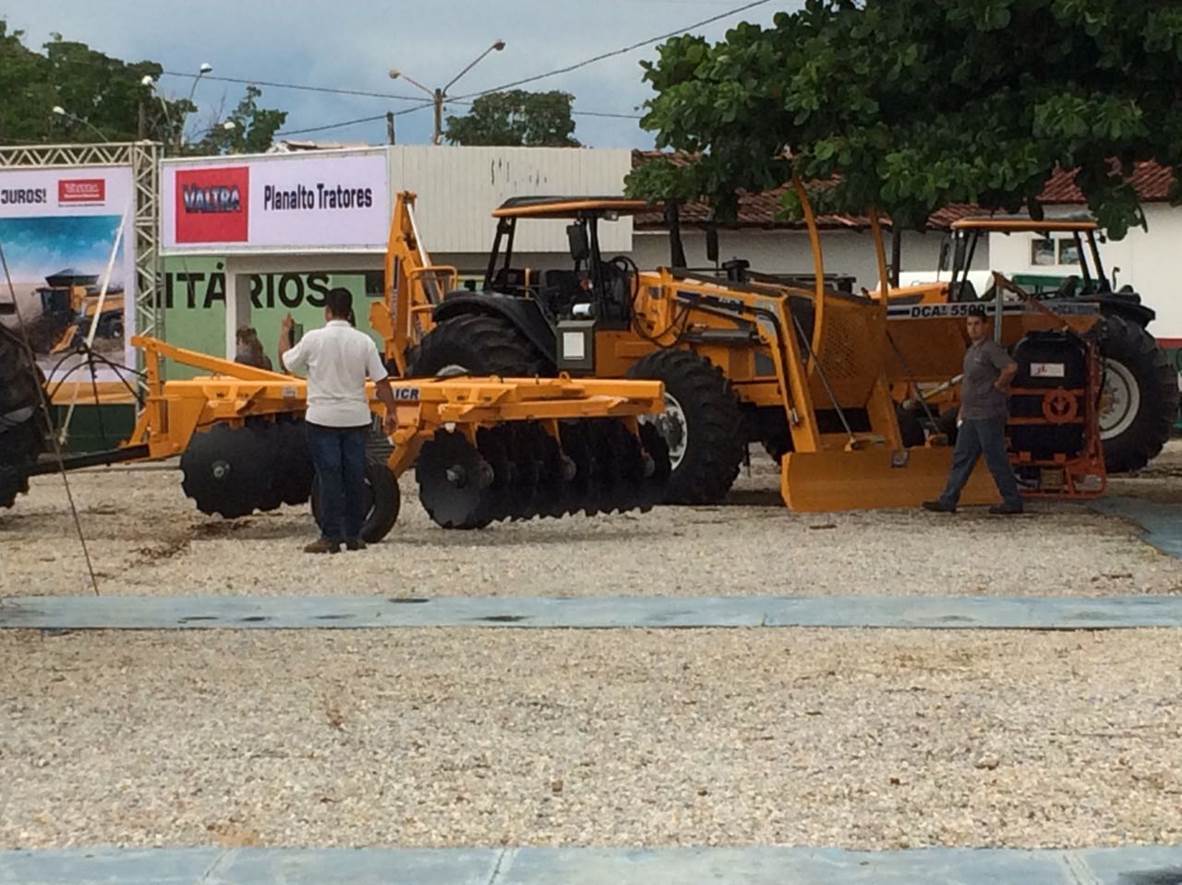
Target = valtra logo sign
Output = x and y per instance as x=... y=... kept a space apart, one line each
x=213 y=205
x=81 y=191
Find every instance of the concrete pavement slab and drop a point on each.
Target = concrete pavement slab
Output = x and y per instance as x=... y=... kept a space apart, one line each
x=749 y=865
x=247 y=613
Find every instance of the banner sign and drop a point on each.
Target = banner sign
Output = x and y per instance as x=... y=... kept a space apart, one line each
x=276 y=202
x=58 y=230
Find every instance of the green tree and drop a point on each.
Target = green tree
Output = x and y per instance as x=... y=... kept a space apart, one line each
x=516 y=118
x=98 y=92
x=908 y=105
x=248 y=129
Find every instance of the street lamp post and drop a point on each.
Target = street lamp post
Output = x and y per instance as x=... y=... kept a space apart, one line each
x=62 y=112
x=439 y=95
x=204 y=69
x=151 y=84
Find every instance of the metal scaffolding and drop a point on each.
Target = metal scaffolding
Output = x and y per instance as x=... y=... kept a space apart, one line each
x=143 y=159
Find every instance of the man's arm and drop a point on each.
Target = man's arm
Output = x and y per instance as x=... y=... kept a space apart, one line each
x=376 y=369
x=1007 y=368
x=386 y=395
x=285 y=327
x=292 y=358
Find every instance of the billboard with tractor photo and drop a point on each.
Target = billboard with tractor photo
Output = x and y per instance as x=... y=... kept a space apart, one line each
x=69 y=268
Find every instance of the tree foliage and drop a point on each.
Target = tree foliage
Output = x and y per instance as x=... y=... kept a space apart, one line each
x=516 y=118
x=908 y=105
x=252 y=131
x=104 y=94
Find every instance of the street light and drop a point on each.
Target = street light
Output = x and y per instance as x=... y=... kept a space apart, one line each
x=205 y=68
x=151 y=84
x=62 y=112
x=439 y=95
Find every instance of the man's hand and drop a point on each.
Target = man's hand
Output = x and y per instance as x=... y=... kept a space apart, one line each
x=285 y=326
x=389 y=423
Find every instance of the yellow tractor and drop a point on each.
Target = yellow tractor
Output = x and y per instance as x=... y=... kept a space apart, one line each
x=808 y=372
x=70 y=301
x=1139 y=402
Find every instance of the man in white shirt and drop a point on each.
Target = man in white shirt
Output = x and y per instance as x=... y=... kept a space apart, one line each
x=337 y=359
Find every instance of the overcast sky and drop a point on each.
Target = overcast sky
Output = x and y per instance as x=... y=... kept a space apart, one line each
x=352 y=44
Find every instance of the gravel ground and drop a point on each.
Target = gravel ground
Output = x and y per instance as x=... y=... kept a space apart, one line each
x=147 y=539
x=864 y=739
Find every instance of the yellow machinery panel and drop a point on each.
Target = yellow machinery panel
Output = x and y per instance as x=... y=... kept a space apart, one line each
x=874 y=478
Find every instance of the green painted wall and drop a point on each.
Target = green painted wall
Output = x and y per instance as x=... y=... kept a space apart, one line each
x=194 y=303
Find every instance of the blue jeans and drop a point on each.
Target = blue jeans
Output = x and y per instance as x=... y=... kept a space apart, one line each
x=977 y=437
x=338 y=455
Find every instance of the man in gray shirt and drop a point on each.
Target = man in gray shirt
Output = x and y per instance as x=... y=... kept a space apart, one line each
x=984 y=407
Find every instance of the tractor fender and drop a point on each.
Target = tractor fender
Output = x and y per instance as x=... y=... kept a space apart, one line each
x=524 y=313
x=1126 y=308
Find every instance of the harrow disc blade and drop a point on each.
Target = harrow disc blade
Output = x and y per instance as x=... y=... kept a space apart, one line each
x=227 y=470
x=659 y=467
x=555 y=470
x=493 y=444
x=454 y=482
x=528 y=465
x=580 y=489
x=293 y=469
x=628 y=468
x=271 y=489
x=606 y=486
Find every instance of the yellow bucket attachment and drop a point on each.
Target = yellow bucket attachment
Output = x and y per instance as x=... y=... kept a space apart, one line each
x=875 y=478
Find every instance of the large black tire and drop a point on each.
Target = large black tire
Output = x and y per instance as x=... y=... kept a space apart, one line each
x=1140 y=396
x=22 y=417
x=702 y=425
x=475 y=344
x=384 y=504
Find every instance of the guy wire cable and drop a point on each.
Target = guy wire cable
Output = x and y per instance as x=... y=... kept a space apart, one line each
x=57 y=449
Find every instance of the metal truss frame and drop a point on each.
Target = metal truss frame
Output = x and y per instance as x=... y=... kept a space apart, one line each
x=143 y=157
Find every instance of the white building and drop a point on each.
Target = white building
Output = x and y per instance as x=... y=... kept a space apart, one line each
x=1144 y=259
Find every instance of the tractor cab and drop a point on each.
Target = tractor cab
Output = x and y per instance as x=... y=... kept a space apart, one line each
x=591 y=288
x=1079 y=248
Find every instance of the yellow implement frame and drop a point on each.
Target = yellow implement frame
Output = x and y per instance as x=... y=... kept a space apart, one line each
x=233 y=392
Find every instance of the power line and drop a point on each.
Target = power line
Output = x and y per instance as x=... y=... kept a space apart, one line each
x=606 y=114
x=461 y=99
x=300 y=87
x=356 y=122
x=332 y=90
x=615 y=52
x=428 y=104
x=340 y=125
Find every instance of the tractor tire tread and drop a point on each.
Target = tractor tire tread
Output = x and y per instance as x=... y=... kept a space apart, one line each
x=717 y=445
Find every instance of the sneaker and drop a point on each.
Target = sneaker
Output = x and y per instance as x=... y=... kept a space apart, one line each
x=939 y=507
x=1006 y=509
x=355 y=544
x=323 y=545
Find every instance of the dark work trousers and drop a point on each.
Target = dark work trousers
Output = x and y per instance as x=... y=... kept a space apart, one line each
x=977 y=437
x=338 y=455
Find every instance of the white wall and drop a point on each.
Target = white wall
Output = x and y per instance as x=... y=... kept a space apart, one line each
x=458 y=188
x=787 y=251
x=1147 y=262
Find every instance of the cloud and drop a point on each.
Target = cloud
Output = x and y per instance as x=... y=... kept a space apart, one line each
x=353 y=45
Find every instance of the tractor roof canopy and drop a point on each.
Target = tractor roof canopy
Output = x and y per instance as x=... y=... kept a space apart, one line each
x=568 y=207
x=1026 y=225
